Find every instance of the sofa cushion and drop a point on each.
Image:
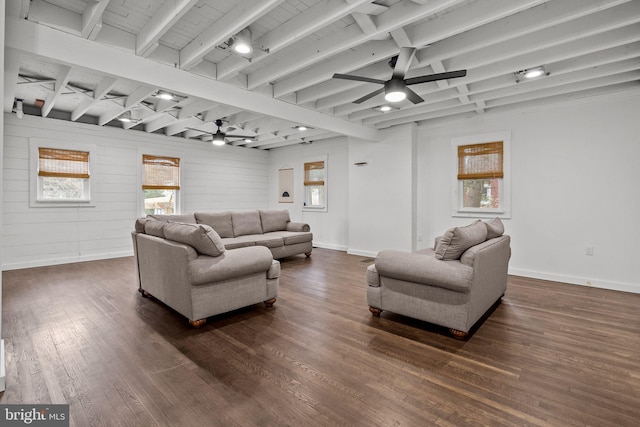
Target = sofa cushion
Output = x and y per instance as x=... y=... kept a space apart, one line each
x=293 y=237
x=495 y=228
x=268 y=240
x=246 y=223
x=154 y=228
x=274 y=220
x=458 y=239
x=203 y=238
x=219 y=221
x=230 y=265
x=188 y=218
x=239 y=242
x=139 y=227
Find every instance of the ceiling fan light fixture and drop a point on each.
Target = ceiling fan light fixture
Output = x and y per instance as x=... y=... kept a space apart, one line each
x=217 y=139
x=394 y=91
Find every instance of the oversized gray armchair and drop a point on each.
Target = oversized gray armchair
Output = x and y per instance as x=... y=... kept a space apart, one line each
x=452 y=285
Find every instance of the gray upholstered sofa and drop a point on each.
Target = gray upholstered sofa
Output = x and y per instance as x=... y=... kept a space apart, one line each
x=270 y=228
x=451 y=285
x=187 y=267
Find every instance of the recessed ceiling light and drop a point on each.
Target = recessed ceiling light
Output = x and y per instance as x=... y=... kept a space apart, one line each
x=530 y=73
x=164 y=95
x=384 y=108
x=301 y=128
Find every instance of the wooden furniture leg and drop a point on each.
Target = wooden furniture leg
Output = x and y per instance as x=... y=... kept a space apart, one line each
x=375 y=311
x=270 y=302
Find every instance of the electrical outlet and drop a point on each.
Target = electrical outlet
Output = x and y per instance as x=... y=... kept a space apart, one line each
x=588 y=250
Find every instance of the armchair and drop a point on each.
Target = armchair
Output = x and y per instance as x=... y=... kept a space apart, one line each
x=452 y=285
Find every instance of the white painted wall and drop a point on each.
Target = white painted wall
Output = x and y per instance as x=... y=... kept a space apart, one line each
x=575 y=178
x=329 y=228
x=213 y=178
x=382 y=193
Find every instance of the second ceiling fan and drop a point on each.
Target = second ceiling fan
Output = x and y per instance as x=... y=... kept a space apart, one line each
x=395 y=89
x=219 y=137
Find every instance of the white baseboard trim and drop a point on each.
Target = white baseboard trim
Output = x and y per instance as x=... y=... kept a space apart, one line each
x=574 y=280
x=362 y=253
x=70 y=260
x=329 y=246
x=3 y=375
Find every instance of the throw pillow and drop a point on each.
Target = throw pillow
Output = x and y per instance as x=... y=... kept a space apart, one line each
x=495 y=228
x=203 y=238
x=219 y=221
x=458 y=239
x=274 y=220
x=246 y=223
x=154 y=228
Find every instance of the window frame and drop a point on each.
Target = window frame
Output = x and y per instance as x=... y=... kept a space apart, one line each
x=140 y=172
x=504 y=183
x=36 y=198
x=324 y=207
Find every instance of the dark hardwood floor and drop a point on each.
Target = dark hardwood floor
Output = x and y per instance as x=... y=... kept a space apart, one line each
x=550 y=355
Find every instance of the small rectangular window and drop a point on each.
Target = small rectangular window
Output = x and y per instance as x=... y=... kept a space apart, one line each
x=63 y=175
x=160 y=184
x=481 y=175
x=314 y=185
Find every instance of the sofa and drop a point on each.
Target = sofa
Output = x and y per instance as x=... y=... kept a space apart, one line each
x=452 y=285
x=272 y=229
x=187 y=267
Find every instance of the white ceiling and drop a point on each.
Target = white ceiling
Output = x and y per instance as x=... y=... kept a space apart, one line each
x=91 y=61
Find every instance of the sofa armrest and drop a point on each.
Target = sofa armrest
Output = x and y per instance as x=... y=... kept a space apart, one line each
x=231 y=264
x=373 y=278
x=297 y=226
x=424 y=269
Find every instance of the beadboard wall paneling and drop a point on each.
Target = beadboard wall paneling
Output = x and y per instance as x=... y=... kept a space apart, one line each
x=212 y=178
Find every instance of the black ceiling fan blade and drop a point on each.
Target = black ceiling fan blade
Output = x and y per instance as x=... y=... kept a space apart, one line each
x=202 y=131
x=413 y=97
x=434 y=77
x=241 y=136
x=369 y=96
x=403 y=62
x=358 y=78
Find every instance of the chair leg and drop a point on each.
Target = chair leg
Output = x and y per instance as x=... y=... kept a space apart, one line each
x=459 y=335
x=197 y=323
x=375 y=311
x=270 y=302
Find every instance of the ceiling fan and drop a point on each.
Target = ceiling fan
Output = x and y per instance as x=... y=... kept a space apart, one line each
x=219 y=137
x=395 y=89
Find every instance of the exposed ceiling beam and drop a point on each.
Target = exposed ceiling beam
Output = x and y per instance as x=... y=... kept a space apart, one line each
x=66 y=48
x=365 y=22
x=61 y=83
x=399 y=14
x=401 y=38
x=92 y=18
x=101 y=90
x=133 y=99
x=237 y=19
x=11 y=70
x=298 y=27
x=159 y=24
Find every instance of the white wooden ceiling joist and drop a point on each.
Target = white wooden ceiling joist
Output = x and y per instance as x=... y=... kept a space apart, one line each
x=61 y=84
x=101 y=90
x=133 y=99
x=92 y=18
x=396 y=16
x=64 y=48
x=160 y=23
x=11 y=70
x=298 y=27
x=237 y=19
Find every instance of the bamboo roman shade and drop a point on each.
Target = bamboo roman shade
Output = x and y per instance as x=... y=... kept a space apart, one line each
x=160 y=173
x=314 y=173
x=55 y=162
x=480 y=161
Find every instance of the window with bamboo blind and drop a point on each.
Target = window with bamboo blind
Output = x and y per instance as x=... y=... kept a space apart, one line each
x=62 y=174
x=315 y=185
x=160 y=184
x=481 y=175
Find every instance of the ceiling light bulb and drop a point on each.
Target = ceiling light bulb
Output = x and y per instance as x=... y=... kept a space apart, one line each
x=242 y=48
x=385 y=108
x=165 y=95
x=301 y=128
x=533 y=73
x=217 y=140
x=248 y=140
x=395 y=96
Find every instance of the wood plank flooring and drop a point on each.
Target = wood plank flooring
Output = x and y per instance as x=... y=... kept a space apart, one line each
x=550 y=354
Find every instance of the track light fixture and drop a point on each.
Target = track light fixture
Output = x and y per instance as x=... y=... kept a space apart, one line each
x=530 y=73
x=241 y=42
